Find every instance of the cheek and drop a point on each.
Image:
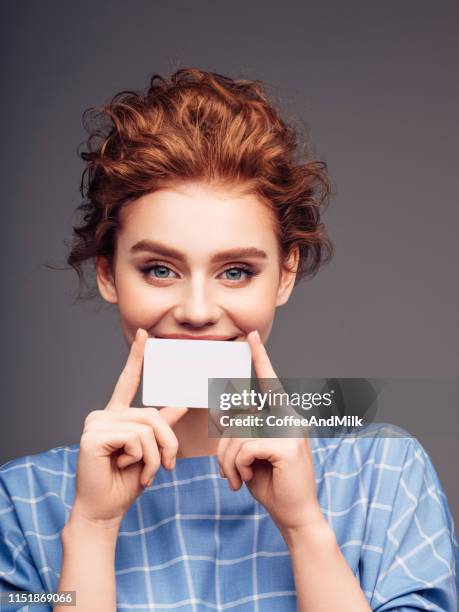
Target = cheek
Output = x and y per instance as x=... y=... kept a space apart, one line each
x=139 y=305
x=253 y=310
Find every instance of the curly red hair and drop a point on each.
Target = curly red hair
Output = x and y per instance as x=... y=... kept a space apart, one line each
x=201 y=127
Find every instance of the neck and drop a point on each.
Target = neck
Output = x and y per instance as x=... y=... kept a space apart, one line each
x=192 y=434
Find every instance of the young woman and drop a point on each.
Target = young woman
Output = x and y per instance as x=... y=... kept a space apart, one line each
x=200 y=220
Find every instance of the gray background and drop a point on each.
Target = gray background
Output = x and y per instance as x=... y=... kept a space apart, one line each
x=376 y=84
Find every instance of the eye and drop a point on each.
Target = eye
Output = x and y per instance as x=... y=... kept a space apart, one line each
x=160 y=271
x=235 y=273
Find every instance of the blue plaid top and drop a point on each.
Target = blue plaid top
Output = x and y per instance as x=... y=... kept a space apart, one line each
x=191 y=543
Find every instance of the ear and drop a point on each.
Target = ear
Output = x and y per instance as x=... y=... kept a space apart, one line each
x=288 y=276
x=105 y=281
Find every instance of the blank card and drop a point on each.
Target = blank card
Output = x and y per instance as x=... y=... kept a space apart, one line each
x=176 y=371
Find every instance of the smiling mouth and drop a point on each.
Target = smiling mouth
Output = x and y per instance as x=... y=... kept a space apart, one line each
x=182 y=337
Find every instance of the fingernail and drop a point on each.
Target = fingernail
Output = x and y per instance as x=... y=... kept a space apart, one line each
x=138 y=332
x=256 y=335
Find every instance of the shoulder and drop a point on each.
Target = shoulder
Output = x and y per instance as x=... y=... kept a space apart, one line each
x=36 y=493
x=43 y=470
x=375 y=441
x=383 y=459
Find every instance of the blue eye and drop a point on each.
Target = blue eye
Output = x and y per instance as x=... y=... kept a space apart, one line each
x=160 y=271
x=238 y=270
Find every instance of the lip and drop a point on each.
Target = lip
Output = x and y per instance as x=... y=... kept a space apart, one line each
x=188 y=337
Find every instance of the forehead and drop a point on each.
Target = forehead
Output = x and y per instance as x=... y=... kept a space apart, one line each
x=199 y=219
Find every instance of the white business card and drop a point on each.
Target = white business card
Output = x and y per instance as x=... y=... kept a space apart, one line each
x=176 y=371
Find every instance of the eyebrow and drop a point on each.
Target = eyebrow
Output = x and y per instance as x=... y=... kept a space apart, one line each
x=166 y=251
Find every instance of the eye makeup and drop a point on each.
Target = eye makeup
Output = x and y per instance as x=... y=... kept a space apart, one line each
x=246 y=269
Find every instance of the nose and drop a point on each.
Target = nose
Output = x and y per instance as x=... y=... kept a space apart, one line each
x=196 y=306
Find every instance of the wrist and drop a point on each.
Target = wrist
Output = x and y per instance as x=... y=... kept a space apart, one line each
x=314 y=532
x=79 y=524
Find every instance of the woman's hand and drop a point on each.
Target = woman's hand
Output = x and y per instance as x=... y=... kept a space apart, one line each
x=279 y=472
x=121 y=448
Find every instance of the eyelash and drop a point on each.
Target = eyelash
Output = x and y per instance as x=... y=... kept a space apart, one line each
x=146 y=270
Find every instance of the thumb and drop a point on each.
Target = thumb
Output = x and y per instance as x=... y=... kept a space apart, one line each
x=171 y=414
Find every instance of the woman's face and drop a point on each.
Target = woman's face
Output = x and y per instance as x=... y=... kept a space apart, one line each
x=196 y=261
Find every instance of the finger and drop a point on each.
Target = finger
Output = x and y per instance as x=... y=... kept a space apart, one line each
x=166 y=440
x=221 y=449
x=255 y=449
x=267 y=377
x=172 y=414
x=150 y=452
x=214 y=418
x=164 y=436
x=104 y=443
x=216 y=412
x=229 y=464
x=244 y=466
x=129 y=379
x=261 y=361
